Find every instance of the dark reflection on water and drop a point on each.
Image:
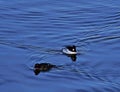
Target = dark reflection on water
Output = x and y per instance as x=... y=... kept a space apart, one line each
x=73 y=57
x=35 y=31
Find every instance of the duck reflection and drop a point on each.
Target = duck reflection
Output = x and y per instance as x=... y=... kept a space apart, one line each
x=73 y=57
x=42 y=67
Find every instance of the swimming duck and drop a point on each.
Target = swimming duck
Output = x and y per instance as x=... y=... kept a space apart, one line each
x=42 y=67
x=70 y=50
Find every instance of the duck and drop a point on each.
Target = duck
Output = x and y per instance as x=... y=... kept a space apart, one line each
x=70 y=50
x=43 y=67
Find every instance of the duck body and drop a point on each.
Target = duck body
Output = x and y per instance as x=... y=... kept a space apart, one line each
x=43 y=67
x=69 y=50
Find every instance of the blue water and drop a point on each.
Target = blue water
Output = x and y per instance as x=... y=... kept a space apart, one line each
x=35 y=31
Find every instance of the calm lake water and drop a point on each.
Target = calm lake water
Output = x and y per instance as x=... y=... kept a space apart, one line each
x=35 y=31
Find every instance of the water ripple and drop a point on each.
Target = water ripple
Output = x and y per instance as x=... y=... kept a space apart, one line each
x=44 y=29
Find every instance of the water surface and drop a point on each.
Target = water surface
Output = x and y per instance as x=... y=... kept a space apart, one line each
x=35 y=31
